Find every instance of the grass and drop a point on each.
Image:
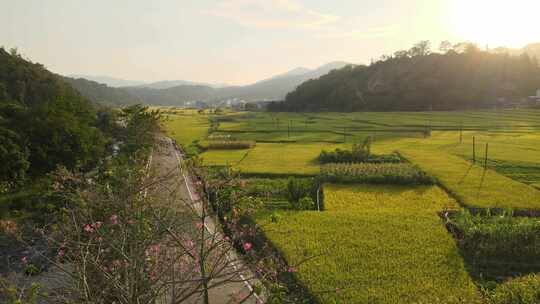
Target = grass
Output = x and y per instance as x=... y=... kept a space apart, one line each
x=187 y=127
x=472 y=184
x=265 y=158
x=375 y=247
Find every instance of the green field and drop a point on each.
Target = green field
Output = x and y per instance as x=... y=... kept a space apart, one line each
x=375 y=247
x=187 y=127
x=385 y=243
x=289 y=143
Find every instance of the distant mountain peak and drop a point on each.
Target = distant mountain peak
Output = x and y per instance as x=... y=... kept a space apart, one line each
x=298 y=71
x=109 y=81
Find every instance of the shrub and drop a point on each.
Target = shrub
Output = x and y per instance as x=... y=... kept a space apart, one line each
x=300 y=188
x=231 y=145
x=358 y=153
x=404 y=174
x=267 y=188
x=525 y=290
x=305 y=203
x=503 y=237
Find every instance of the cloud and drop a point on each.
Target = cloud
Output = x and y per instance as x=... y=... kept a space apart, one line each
x=369 y=33
x=272 y=14
x=291 y=15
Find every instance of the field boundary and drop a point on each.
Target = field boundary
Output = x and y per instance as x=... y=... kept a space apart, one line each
x=521 y=212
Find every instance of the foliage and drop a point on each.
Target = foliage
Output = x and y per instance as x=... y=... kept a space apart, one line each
x=524 y=290
x=45 y=122
x=359 y=153
x=101 y=93
x=298 y=189
x=13 y=157
x=141 y=125
x=11 y=293
x=419 y=80
x=375 y=173
x=503 y=239
x=267 y=188
x=306 y=203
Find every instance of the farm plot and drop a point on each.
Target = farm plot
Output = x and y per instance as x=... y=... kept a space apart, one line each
x=379 y=244
x=186 y=128
x=514 y=155
x=471 y=184
x=273 y=159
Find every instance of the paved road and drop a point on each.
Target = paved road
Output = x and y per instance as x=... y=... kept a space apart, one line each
x=167 y=161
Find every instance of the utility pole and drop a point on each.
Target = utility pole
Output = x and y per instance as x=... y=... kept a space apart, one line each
x=461 y=133
x=289 y=129
x=486 y=157
x=474 y=149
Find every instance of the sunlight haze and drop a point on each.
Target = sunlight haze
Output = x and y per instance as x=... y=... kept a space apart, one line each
x=242 y=41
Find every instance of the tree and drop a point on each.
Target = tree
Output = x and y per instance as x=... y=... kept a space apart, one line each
x=446 y=47
x=401 y=54
x=422 y=48
x=13 y=157
x=50 y=119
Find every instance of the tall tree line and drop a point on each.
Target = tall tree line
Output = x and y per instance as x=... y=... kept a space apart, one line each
x=44 y=122
x=458 y=77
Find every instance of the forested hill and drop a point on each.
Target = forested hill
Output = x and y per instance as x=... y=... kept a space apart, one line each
x=168 y=93
x=463 y=77
x=44 y=122
x=101 y=93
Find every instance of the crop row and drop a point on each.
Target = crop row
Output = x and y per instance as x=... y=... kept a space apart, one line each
x=385 y=173
x=230 y=144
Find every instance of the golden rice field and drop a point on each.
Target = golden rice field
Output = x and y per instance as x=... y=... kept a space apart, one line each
x=378 y=244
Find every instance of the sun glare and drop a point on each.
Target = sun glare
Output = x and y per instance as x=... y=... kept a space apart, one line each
x=496 y=22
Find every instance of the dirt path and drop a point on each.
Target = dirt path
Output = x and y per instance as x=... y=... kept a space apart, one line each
x=167 y=160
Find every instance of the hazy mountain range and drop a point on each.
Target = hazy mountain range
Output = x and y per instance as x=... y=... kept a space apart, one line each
x=175 y=92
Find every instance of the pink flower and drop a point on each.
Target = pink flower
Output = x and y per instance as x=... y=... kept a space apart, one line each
x=291 y=270
x=227 y=238
x=88 y=228
x=155 y=248
x=247 y=246
x=100 y=239
x=131 y=222
x=24 y=260
x=61 y=253
x=114 y=219
x=97 y=224
x=200 y=226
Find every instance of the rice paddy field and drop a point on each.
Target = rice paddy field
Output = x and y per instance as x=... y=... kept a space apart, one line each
x=381 y=243
x=377 y=244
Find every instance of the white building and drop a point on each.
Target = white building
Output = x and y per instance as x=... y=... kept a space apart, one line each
x=536 y=98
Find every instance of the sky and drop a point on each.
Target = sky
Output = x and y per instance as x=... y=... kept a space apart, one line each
x=242 y=41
